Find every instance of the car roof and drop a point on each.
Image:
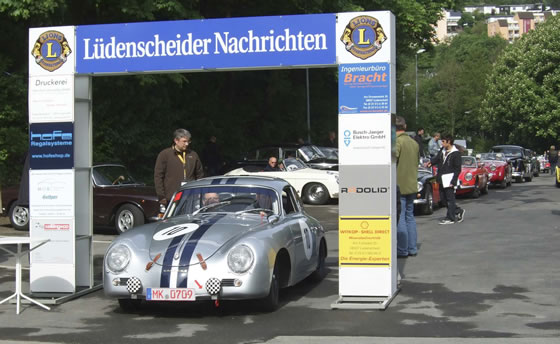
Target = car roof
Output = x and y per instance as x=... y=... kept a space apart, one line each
x=271 y=182
x=513 y=146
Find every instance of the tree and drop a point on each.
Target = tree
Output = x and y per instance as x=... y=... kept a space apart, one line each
x=522 y=103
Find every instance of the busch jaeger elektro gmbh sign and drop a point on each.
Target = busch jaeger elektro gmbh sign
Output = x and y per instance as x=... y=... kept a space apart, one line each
x=253 y=42
x=51 y=145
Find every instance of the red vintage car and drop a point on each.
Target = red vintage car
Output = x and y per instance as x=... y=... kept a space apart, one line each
x=473 y=179
x=498 y=168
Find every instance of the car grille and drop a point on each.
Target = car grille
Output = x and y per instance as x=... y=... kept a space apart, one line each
x=228 y=282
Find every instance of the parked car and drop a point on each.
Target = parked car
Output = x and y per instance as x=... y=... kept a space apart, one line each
x=428 y=197
x=520 y=162
x=473 y=179
x=253 y=239
x=310 y=154
x=314 y=186
x=498 y=168
x=544 y=164
x=118 y=200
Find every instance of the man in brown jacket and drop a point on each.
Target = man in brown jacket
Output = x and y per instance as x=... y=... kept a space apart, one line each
x=176 y=165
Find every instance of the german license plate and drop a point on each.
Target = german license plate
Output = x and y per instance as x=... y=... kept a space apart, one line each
x=170 y=294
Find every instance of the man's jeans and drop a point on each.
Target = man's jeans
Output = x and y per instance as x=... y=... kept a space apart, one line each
x=406 y=229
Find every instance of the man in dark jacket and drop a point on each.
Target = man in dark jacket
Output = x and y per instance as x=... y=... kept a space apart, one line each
x=175 y=166
x=419 y=138
x=448 y=161
x=553 y=159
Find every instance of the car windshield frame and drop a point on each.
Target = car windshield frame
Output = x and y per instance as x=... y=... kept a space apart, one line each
x=508 y=151
x=231 y=200
x=493 y=157
x=465 y=159
x=311 y=152
x=293 y=164
x=112 y=175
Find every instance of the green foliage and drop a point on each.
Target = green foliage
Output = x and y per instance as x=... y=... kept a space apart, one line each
x=522 y=103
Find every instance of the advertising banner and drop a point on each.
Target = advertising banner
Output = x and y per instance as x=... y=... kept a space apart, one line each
x=365 y=241
x=60 y=232
x=51 y=98
x=365 y=139
x=365 y=189
x=52 y=51
x=365 y=37
x=51 y=145
x=51 y=193
x=253 y=42
x=364 y=88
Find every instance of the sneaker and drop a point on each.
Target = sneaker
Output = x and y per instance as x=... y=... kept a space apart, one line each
x=446 y=222
x=461 y=215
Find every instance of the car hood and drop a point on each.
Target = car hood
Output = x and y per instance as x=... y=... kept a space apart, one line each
x=178 y=241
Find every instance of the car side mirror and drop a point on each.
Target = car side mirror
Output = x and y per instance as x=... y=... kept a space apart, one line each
x=272 y=219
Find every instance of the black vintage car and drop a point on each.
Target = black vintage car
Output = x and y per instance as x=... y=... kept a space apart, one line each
x=312 y=155
x=428 y=197
x=520 y=161
x=118 y=200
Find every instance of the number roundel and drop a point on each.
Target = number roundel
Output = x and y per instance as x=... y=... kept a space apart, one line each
x=307 y=239
x=171 y=232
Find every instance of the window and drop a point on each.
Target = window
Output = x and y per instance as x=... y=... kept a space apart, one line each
x=289 y=202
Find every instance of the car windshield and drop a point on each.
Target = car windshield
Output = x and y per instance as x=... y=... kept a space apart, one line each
x=112 y=175
x=469 y=161
x=329 y=152
x=508 y=151
x=292 y=164
x=492 y=156
x=224 y=199
x=310 y=152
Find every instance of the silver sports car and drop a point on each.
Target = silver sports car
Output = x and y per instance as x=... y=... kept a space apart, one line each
x=221 y=238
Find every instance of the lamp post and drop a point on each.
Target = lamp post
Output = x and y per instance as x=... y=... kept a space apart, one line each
x=419 y=51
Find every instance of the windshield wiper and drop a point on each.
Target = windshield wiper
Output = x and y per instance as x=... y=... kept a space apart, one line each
x=206 y=207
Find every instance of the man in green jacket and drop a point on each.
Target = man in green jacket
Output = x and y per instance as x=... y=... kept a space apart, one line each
x=407 y=180
x=175 y=166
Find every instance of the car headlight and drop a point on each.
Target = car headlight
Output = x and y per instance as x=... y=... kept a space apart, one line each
x=420 y=186
x=493 y=168
x=240 y=259
x=468 y=176
x=117 y=258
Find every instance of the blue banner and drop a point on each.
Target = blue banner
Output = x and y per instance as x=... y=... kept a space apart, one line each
x=364 y=88
x=252 y=42
x=51 y=145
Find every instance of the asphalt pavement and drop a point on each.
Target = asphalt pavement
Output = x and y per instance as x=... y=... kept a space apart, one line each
x=494 y=278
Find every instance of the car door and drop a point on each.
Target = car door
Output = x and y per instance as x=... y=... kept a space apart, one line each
x=303 y=233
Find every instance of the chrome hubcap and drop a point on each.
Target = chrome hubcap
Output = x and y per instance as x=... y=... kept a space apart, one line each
x=126 y=220
x=20 y=216
x=316 y=192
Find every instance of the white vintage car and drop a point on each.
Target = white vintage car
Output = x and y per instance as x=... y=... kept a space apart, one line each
x=314 y=186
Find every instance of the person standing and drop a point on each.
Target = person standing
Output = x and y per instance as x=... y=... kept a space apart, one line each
x=552 y=159
x=434 y=145
x=407 y=181
x=331 y=140
x=175 y=166
x=212 y=157
x=448 y=161
x=419 y=138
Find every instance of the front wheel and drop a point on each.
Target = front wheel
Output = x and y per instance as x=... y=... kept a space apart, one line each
x=428 y=208
x=271 y=302
x=321 y=270
x=315 y=193
x=19 y=217
x=128 y=216
x=485 y=189
x=476 y=192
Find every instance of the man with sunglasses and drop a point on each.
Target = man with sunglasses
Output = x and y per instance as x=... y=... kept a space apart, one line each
x=272 y=165
x=448 y=161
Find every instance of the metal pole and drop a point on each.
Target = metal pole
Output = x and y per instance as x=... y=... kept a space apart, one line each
x=308 y=106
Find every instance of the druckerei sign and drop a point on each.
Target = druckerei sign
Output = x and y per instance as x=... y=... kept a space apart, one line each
x=207 y=44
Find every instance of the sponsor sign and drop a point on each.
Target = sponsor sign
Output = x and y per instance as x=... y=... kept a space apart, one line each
x=364 y=88
x=60 y=232
x=51 y=98
x=365 y=241
x=51 y=194
x=51 y=145
x=254 y=42
x=365 y=190
x=364 y=139
x=364 y=37
x=51 y=51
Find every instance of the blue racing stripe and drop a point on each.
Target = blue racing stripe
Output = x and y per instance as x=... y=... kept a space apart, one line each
x=188 y=251
x=216 y=181
x=231 y=180
x=168 y=262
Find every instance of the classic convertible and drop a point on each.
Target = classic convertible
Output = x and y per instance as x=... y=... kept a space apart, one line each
x=498 y=168
x=315 y=186
x=520 y=162
x=428 y=196
x=222 y=238
x=473 y=179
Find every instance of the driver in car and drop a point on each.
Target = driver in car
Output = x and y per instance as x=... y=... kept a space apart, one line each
x=210 y=198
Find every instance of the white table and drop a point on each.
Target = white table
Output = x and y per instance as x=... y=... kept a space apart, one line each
x=19 y=241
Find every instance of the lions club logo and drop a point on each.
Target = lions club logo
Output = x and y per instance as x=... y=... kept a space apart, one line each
x=51 y=50
x=363 y=36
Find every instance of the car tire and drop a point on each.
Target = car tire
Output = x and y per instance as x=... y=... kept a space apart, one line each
x=315 y=194
x=271 y=302
x=128 y=216
x=484 y=191
x=130 y=305
x=476 y=192
x=19 y=217
x=321 y=270
x=528 y=179
x=504 y=184
x=428 y=208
